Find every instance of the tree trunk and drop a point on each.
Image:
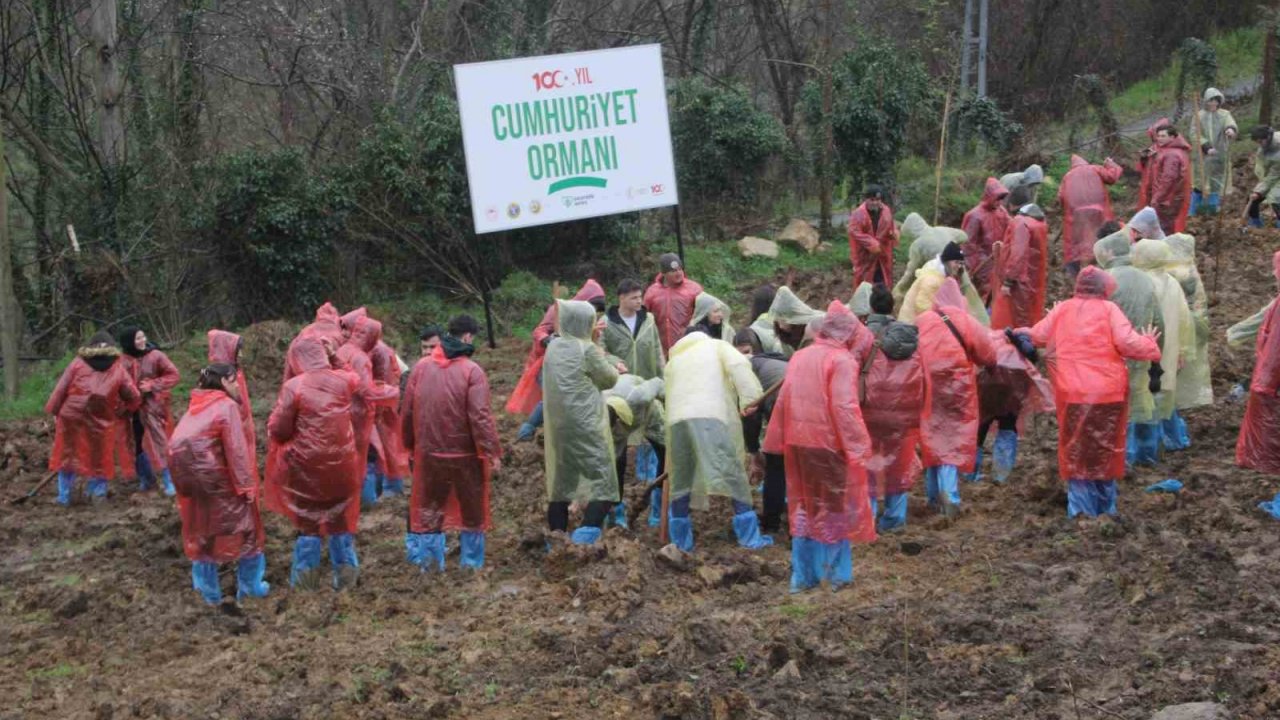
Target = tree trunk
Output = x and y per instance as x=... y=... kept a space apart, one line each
x=110 y=124
x=1268 y=71
x=827 y=159
x=10 y=320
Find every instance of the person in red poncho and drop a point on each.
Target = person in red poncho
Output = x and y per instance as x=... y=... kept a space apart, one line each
x=354 y=354
x=671 y=298
x=1088 y=339
x=1021 y=271
x=217 y=484
x=1166 y=176
x=93 y=393
x=984 y=225
x=817 y=427
x=313 y=470
x=526 y=399
x=1086 y=207
x=347 y=323
x=149 y=429
x=892 y=387
x=224 y=348
x=326 y=325
x=1010 y=392
x=952 y=344
x=872 y=239
x=392 y=462
x=1258 y=446
x=450 y=429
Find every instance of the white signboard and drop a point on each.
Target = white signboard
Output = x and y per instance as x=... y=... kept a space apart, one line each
x=565 y=137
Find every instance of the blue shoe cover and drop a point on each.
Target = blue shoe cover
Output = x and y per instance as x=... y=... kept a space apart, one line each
x=585 y=535
x=894 y=513
x=343 y=558
x=655 y=506
x=1091 y=497
x=1174 y=433
x=1165 y=486
x=426 y=550
x=1005 y=455
x=1143 y=444
x=942 y=483
x=746 y=525
x=976 y=475
x=1196 y=199
x=96 y=487
x=146 y=476
x=472 y=549
x=1271 y=507
x=204 y=578
x=249 y=582
x=526 y=432
x=813 y=561
x=306 y=557
x=369 y=491
x=680 y=530
x=1215 y=202
x=66 y=485
x=167 y=479
x=393 y=487
x=618 y=516
x=646 y=463
x=805 y=573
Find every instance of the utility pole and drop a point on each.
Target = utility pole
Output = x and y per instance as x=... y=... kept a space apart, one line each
x=982 y=49
x=966 y=49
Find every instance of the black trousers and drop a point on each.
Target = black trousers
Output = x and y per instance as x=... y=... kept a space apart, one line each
x=1255 y=209
x=1004 y=422
x=775 y=492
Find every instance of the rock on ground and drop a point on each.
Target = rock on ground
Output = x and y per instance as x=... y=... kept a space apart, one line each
x=801 y=234
x=751 y=246
x=1193 y=711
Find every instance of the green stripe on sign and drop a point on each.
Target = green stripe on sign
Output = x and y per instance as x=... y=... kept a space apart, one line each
x=574 y=182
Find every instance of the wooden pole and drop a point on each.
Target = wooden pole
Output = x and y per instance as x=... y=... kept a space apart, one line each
x=663 y=524
x=942 y=156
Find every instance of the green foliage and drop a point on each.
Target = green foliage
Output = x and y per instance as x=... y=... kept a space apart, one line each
x=1199 y=64
x=276 y=223
x=877 y=89
x=981 y=119
x=36 y=386
x=722 y=140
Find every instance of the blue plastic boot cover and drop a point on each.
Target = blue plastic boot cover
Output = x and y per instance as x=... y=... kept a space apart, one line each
x=585 y=535
x=96 y=487
x=472 y=549
x=1174 y=433
x=1005 y=454
x=746 y=525
x=940 y=481
x=1091 y=497
x=306 y=556
x=1168 y=485
x=342 y=550
x=646 y=463
x=1271 y=507
x=426 y=550
x=804 y=564
x=619 y=515
x=204 y=578
x=875 y=505
x=1196 y=199
x=369 y=491
x=813 y=561
x=681 y=531
x=894 y=513
x=249 y=572
x=167 y=479
x=976 y=475
x=1215 y=202
x=146 y=476
x=1143 y=444
x=393 y=486
x=66 y=485
x=655 y=506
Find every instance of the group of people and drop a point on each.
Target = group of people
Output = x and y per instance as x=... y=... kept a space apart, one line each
x=834 y=414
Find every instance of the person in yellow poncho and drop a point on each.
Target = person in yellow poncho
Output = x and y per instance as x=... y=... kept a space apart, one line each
x=929 y=278
x=1195 y=388
x=1178 y=344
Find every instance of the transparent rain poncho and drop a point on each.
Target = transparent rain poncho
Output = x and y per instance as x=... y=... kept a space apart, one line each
x=928 y=280
x=1179 y=340
x=1135 y=294
x=637 y=404
x=926 y=243
x=703 y=305
x=1195 y=388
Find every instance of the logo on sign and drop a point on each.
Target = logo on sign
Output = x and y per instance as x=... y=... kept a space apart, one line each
x=513 y=210
x=491 y=214
x=535 y=207
x=548 y=80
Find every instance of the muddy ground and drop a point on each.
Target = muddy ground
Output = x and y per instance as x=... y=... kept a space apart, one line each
x=1010 y=612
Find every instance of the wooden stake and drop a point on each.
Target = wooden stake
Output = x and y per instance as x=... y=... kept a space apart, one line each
x=663 y=524
x=942 y=156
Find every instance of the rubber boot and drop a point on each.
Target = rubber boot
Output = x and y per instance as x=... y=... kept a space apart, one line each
x=1196 y=198
x=746 y=525
x=204 y=578
x=146 y=476
x=472 y=549
x=96 y=489
x=426 y=550
x=304 y=574
x=166 y=486
x=346 y=564
x=66 y=486
x=249 y=582
x=369 y=490
x=585 y=535
x=1005 y=455
x=976 y=475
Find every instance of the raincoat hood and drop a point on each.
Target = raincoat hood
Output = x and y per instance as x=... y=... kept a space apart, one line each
x=1077 y=161
x=1031 y=210
x=1214 y=94
x=839 y=325
x=203 y=399
x=99 y=357
x=1033 y=175
x=900 y=340
x=1151 y=254
x=327 y=313
x=576 y=319
x=1182 y=249
x=1151 y=129
x=791 y=310
x=704 y=304
x=451 y=347
x=348 y=321
x=913 y=227
x=1117 y=244
x=224 y=347
x=993 y=194
x=861 y=302
x=310 y=354
x=590 y=290
x=366 y=333
x=1147 y=224
x=1094 y=283
x=949 y=296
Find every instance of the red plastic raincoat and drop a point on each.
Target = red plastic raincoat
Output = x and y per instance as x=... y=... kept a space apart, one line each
x=325 y=326
x=365 y=334
x=895 y=393
x=348 y=321
x=1022 y=267
x=1166 y=180
x=985 y=225
x=313 y=472
x=1013 y=386
x=212 y=468
x=864 y=238
x=817 y=427
x=87 y=404
x=1088 y=339
x=1086 y=206
x=528 y=392
x=155 y=376
x=450 y=430
x=672 y=308
x=949 y=423
x=393 y=459
x=224 y=347
x=1258 y=446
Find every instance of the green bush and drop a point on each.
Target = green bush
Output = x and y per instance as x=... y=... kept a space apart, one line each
x=36 y=386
